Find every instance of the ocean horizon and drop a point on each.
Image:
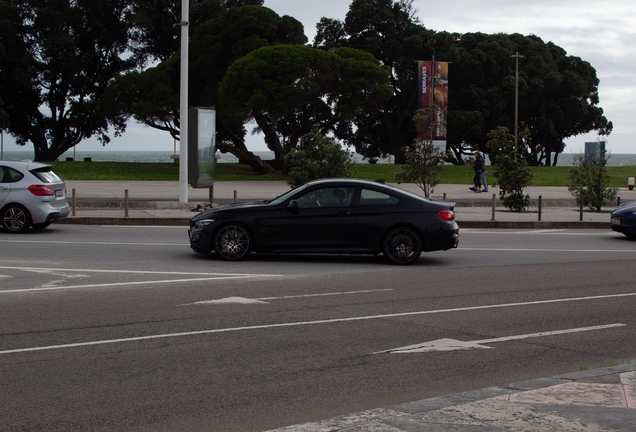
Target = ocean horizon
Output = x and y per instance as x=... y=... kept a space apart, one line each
x=565 y=159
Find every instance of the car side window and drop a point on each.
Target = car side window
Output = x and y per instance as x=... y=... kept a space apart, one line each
x=373 y=197
x=327 y=197
x=2 y=171
x=13 y=175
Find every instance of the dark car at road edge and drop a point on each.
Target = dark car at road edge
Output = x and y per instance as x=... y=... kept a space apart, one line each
x=347 y=216
x=623 y=219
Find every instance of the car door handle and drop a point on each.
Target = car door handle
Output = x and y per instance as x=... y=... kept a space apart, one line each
x=3 y=188
x=344 y=213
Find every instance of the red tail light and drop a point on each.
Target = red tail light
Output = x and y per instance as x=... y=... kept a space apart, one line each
x=447 y=215
x=40 y=190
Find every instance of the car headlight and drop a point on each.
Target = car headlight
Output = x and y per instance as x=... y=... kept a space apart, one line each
x=203 y=223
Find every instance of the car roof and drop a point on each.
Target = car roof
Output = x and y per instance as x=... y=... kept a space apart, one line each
x=24 y=164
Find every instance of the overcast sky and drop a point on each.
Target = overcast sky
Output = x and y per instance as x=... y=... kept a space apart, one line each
x=600 y=32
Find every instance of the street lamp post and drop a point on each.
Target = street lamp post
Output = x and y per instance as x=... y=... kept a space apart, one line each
x=517 y=56
x=183 y=105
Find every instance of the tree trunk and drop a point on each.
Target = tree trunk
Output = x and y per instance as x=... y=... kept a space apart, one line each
x=248 y=158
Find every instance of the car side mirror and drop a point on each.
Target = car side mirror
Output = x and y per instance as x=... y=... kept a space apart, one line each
x=293 y=204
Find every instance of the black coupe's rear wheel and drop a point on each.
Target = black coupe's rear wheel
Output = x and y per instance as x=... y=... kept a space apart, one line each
x=232 y=242
x=402 y=246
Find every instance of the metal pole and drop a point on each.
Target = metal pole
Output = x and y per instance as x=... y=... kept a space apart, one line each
x=494 y=202
x=540 y=208
x=183 y=105
x=211 y=194
x=74 y=202
x=1 y=144
x=517 y=56
x=581 y=210
x=235 y=196
x=126 y=202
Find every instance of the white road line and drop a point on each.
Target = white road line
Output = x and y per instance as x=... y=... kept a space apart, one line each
x=124 y=284
x=95 y=243
x=304 y=323
x=548 y=250
x=261 y=300
x=453 y=345
x=324 y=294
x=128 y=271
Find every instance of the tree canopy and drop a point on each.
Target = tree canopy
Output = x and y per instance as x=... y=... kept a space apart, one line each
x=558 y=95
x=287 y=89
x=56 y=58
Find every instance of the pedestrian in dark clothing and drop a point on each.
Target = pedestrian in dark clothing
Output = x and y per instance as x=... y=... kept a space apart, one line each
x=477 y=167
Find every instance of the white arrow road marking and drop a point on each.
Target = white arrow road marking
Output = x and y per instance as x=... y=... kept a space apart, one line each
x=244 y=300
x=229 y=300
x=452 y=344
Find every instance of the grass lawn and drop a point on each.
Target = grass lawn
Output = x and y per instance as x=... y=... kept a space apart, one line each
x=542 y=176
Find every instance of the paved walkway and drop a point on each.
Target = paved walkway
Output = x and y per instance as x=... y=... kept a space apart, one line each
x=599 y=400
x=103 y=202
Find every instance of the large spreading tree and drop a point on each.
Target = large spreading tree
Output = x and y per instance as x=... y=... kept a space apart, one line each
x=152 y=96
x=558 y=93
x=57 y=57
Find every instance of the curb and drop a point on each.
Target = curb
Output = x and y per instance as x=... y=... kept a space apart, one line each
x=135 y=221
x=533 y=225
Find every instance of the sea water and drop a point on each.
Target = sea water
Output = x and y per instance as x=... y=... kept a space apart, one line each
x=565 y=159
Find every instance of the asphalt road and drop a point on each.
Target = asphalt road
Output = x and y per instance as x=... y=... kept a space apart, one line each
x=120 y=328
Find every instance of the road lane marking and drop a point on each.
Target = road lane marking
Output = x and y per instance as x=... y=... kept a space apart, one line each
x=262 y=300
x=129 y=271
x=59 y=271
x=452 y=344
x=548 y=250
x=306 y=323
x=94 y=243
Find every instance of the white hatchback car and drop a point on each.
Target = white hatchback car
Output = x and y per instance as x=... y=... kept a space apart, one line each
x=31 y=194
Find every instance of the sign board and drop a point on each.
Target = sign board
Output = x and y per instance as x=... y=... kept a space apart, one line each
x=202 y=147
x=597 y=148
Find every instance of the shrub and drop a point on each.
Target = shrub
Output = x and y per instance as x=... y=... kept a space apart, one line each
x=589 y=180
x=318 y=157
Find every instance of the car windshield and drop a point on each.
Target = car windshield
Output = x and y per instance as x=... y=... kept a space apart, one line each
x=279 y=199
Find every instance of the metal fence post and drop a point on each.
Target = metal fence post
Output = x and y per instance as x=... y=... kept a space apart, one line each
x=126 y=202
x=540 y=208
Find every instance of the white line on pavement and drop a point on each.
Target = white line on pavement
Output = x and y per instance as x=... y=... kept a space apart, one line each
x=94 y=243
x=261 y=300
x=304 y=323
x=127 y=271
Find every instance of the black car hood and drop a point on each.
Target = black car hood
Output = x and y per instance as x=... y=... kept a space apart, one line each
x=628 y=207
x=229 y=207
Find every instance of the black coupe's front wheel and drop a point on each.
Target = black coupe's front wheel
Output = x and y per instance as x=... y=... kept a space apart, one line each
x=402 y=246
x=232 y=242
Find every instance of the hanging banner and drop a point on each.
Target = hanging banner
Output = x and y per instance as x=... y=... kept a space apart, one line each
x=433 y=90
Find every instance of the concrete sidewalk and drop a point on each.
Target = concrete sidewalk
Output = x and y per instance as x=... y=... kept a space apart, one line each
x=157 y=202
x=599 y=400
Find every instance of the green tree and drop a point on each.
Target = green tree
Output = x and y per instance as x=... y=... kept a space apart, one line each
x=318 y=157
x=558 y=94
x=287 y=89
x=389 y=31
x=152 y=97
x=510 y=169
x=423 y=161
x=153 y=23
x=57 y=58
x=589 y=180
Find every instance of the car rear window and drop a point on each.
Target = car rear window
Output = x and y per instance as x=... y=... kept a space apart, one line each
x=372 y=197
x=46 y=175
